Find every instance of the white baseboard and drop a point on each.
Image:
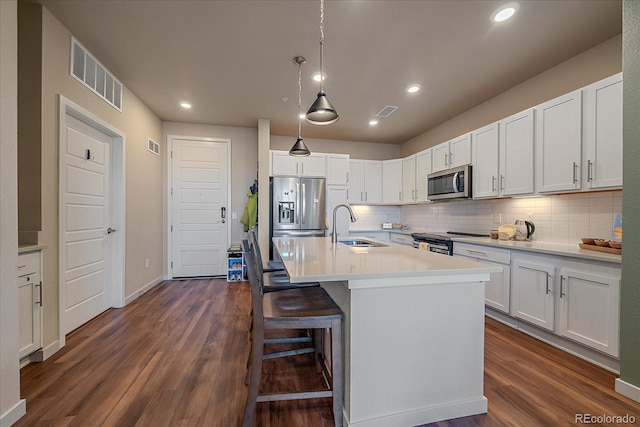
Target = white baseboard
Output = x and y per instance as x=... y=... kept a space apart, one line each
x=41 y=355
x=424 y=415
x=629 y=390
x=144 y=289
x=10 y=417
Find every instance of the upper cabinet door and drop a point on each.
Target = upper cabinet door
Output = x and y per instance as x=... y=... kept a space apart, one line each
x=460 y=151
x=356 y=182
x=517 y=154
x=409 y=179
x=337 y=169
x=373 y=181
x=603 y=133
x=423 y=169
x=313 y=166
x=441 y=157
x=485 y=161
x=392 y=181
x=558 y=143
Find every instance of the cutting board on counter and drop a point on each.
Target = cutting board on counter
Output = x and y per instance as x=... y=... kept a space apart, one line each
x=601 y=249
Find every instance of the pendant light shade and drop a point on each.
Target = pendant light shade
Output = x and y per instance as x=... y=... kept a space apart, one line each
x=299 y=149
x=321 y=111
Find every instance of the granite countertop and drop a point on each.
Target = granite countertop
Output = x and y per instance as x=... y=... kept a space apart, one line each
x=317 y=259
x=548 y=248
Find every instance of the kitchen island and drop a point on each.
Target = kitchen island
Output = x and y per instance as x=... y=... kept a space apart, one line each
x=413 y=329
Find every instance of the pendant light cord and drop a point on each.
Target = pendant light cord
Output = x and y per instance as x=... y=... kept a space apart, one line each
x=321 y=44
x=299 y=94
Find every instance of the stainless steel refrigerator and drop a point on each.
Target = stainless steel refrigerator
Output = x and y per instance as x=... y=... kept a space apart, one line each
x=297 y=207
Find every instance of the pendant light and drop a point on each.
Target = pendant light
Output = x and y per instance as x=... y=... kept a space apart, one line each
x=299 y=149
x=321 y=111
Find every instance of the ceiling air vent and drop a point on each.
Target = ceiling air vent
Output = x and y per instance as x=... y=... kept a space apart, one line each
x=154 y=147
x=386 y=111
x=95 y=76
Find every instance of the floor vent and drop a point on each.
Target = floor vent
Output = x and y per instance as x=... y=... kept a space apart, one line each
x=95 y=76
x=386 y=111
x=154 y=147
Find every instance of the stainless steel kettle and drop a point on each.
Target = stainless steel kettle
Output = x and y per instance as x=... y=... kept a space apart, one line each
x=524 y=230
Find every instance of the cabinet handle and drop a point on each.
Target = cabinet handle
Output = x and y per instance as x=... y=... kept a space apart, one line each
x=501 y=182
x=548 y=288
x=347 y=177
x=399 y=196
x=39 y=302
x=477 y=252
x=303 y=169
x=446 y=156
x=450 y=158
x=347 y=194
x=22 y=266
x=575 y=175
x=589 y=165
x=493 y=184
x=366 y=197
x=562 y=279
x=361 y=197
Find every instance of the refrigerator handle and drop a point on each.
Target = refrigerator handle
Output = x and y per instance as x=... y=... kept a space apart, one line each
x=297 y=199
x=303 y=197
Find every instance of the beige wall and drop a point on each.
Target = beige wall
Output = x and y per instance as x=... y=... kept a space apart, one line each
x=244 y=159
x=143 y=171
x=357 y=150
x=592 y=65
x=9 y=370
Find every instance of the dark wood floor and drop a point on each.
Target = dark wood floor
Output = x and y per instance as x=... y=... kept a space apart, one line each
x=176 y=357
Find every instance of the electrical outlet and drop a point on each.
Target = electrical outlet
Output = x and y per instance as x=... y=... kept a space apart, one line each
x=146 y=263
x=234 y=215
x=497 y=218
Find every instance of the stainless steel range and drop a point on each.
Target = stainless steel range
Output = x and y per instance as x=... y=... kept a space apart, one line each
x=440 y=242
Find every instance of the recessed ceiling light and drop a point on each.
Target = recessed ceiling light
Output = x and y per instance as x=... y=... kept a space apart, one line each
x=185 y=105
x=316 y=76
x=373 y=122
x=413 y=88
x=504 y=12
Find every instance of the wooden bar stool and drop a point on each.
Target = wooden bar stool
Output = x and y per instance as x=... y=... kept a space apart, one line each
x=302 y=308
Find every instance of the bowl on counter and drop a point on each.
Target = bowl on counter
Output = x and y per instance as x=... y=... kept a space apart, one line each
x=602 y=242
x=615 y=245
x=588 y=240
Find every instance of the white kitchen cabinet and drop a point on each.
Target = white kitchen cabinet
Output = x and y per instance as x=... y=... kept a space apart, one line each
x=29 y=303
x=415 y=169
x=602 y=139
x=533 y=284
x=517 y=154
x=497 y=290
x=423 y=169
x=590 y=308
x=559 y=143
x=409 y=169
x=337 y=169
x=337 y=194
x=486 y=152
x=282 y=164
x=365 y=182
x=392 y=181
x=453 y=153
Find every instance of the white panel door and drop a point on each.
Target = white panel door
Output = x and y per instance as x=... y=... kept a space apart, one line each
x=392 y=181
x=533 y=298
x=485 y=161
x=409 y=179
x=590 y=309
x=199 y=207
x=356 y=182
x=372 y=181
x=516 y=154
x=84 y=222
x=423 y=169
x=559 y=143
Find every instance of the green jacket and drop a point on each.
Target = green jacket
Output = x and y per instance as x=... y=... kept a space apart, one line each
x=250 y=214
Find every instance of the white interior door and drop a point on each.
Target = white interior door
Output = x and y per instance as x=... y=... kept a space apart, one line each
x=85 y=219
x=200 y=181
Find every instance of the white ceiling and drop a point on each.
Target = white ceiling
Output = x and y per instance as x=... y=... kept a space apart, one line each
x=233 y=59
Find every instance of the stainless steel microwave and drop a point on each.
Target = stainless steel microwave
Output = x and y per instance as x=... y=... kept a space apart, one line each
x=449 y=184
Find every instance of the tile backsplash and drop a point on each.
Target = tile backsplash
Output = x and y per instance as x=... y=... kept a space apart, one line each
x=563 y=218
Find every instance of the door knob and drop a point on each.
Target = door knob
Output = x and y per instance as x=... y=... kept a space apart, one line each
x=111 y=230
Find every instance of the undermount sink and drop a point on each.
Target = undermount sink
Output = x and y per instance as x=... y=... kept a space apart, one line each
x=360 y=243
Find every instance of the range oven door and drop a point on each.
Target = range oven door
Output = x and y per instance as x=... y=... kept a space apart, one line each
x=450 y=184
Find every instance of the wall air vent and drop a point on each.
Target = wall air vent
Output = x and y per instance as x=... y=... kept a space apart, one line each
x=95 y=76
x=154 y=147
x=386 y=111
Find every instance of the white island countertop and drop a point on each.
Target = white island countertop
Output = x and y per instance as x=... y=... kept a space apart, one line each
x=311 y=259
